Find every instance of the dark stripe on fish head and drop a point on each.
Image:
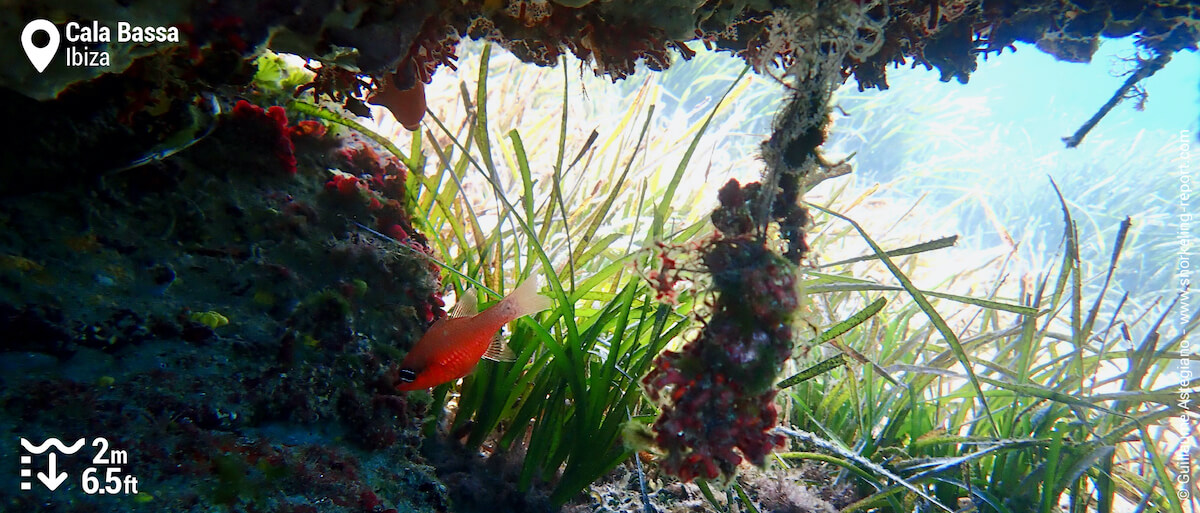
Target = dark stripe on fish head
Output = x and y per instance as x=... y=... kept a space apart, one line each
x=407 y=375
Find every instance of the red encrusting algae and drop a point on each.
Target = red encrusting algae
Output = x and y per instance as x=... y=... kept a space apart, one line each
x=374 y=185
x=269 y=127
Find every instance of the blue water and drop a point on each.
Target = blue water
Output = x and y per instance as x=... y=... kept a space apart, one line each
x=1053 y=98
x=996 y=142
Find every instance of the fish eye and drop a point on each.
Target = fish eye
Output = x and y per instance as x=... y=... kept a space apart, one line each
x=407 y=375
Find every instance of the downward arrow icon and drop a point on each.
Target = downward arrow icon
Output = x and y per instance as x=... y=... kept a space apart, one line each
x=51 y=480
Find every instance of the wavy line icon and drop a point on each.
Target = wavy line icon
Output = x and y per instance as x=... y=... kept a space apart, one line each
x=53 y=442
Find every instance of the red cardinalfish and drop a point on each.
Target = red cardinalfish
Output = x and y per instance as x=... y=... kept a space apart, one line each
x=455 y=343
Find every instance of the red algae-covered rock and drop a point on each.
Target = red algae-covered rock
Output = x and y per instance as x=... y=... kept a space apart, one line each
x=371 y=188
x=266 y=128
x=316 y=313
x=376 y=186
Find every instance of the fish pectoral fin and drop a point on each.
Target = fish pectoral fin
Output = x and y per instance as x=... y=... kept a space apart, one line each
x=467 y=305
x=498 y=350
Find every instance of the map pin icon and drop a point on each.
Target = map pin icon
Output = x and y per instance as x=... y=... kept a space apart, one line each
x=40 y=57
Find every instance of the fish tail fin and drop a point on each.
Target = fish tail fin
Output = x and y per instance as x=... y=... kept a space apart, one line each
x=526 y=300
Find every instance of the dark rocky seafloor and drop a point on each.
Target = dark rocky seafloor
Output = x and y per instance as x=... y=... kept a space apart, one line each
x=216 y=315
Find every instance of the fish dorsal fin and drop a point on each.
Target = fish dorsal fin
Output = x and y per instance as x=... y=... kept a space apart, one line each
x=498 y=350
x=467 y=305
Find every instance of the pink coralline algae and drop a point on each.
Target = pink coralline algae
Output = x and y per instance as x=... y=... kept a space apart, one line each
x=717 y=392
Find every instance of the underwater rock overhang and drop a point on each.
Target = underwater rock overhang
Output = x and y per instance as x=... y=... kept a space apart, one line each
x=409 y=41
x=376 y=38
x=153 y=84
